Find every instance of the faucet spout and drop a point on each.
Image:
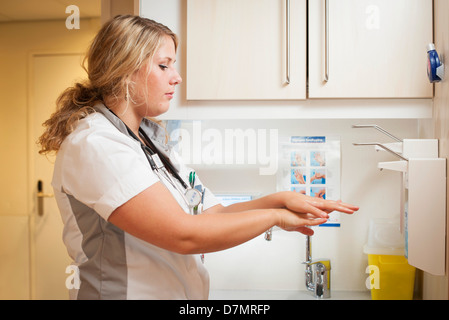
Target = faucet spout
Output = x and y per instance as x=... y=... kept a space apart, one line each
x=317 y=274
x=309 y=273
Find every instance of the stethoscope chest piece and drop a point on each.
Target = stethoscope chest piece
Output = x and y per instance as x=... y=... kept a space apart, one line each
x=193 y=197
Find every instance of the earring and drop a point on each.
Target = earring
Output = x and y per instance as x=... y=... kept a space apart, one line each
x=127 y=92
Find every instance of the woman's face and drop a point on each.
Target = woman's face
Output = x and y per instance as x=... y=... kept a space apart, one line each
x=160 y=83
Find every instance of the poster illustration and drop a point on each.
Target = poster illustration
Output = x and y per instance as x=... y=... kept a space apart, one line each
x=311 y=165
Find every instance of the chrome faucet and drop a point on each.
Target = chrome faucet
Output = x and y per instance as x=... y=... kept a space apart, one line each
x=317 y=274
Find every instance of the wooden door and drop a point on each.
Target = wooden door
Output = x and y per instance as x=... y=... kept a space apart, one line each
x=51 y=74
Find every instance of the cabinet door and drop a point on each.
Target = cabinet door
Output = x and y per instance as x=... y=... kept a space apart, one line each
x=376 y=48
x=246 y=49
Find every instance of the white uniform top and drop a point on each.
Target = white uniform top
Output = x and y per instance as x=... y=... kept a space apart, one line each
x=98 y=168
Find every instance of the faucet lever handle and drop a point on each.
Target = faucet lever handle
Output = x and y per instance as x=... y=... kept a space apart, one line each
x=322 y=280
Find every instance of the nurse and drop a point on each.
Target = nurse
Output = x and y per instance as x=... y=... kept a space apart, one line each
x=121 y=190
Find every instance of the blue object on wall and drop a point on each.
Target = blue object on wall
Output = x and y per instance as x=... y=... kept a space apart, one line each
x=434 y=65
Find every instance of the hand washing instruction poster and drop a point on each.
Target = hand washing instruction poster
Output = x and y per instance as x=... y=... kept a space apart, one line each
x=311 y=165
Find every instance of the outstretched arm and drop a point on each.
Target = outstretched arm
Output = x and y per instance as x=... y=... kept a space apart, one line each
x=154 y=216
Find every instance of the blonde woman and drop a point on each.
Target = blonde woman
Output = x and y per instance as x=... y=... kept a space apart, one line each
x=123 y=193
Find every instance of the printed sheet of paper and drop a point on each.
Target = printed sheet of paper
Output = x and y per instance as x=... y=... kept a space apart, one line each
x=311 y=165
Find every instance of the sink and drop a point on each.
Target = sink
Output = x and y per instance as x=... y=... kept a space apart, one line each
x=284 y=295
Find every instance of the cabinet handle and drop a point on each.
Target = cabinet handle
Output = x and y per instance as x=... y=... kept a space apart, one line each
x=326 y=19
x=287 y=4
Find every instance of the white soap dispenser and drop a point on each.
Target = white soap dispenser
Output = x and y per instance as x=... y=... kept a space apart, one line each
x=423 y=200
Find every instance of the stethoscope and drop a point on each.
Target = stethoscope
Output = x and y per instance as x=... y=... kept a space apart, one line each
x=192 y=196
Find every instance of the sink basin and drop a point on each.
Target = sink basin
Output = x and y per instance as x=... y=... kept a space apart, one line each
x=284 y=295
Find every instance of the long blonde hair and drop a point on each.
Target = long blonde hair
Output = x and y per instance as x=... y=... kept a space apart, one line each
x=121 y=47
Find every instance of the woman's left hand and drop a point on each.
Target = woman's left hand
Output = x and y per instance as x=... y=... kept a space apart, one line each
x=317 y=206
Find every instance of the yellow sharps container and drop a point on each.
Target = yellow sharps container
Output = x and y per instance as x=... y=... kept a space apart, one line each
x=390 y=275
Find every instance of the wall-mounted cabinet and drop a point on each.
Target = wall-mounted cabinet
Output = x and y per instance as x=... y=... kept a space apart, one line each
x=371 y=48
x=257 y=49
x=246 y=49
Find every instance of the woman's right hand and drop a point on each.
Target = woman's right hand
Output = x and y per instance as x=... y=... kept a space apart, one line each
x=297 y=221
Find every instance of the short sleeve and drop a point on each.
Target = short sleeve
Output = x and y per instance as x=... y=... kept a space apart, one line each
x=102 y=167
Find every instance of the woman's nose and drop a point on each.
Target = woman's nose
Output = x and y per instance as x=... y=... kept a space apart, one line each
x=176 y=78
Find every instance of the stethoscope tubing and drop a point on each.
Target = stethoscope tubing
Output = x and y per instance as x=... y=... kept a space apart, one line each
x=158 y=165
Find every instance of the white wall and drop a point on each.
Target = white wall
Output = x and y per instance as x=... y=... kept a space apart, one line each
x=276 y=265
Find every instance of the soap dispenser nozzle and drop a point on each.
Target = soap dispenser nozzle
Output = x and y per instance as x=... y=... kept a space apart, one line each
x=382 y=146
